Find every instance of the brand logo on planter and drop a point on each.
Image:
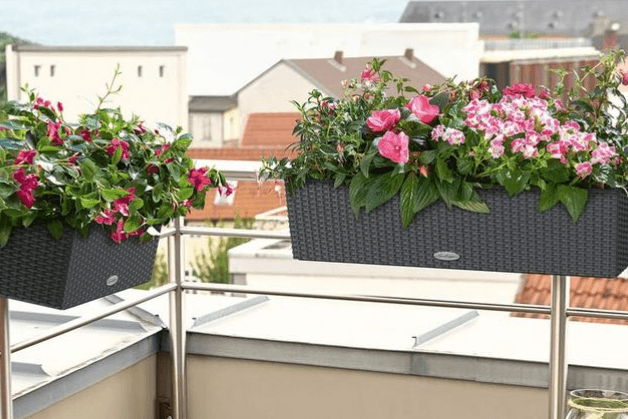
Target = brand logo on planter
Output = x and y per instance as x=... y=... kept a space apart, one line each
x=111 y=281
x=447 y=256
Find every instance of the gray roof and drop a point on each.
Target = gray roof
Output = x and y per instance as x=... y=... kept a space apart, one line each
x=212 y=103
x=548 y=17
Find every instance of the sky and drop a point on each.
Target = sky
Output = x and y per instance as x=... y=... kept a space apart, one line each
x=151 y=22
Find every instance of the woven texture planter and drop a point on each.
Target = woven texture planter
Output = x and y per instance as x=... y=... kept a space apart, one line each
x=514 y=237
x=64 y=273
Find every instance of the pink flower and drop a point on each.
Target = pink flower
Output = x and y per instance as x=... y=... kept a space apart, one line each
x=544 y=94
x=394 y=147
x=27 y=197
x=198 y=178
x=27 y=185
x=583 y=169
x=73 y=158
x=227 y=190
x=115 y=144
x=140 y=129
x=602 y=154
x=383 y=120
x=427 y=88
x=624 y=79
x=369 y=75
x=421 y=107
x=520 y=89
x=106 y=217
x=60 y=106
x=187 y=203
x=152 y=169
x=119 y=236
x=53 y=133
x=87 y=135
x=160 y=151
x=121 y=205
x=25 y=156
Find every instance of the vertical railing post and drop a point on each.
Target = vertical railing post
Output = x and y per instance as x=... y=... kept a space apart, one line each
x=6 y=404
x=558 y=359
x=176 y=269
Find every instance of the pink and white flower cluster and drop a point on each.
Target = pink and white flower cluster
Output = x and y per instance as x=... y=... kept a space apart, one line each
x=523 y=124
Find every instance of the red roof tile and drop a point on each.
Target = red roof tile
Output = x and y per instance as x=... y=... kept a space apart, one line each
x=598 y=293
x=270 y=129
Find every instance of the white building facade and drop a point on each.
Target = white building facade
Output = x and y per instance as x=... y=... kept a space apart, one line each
x=153 y=79
x=225 y=57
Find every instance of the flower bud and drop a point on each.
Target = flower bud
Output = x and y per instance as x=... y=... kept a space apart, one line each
x=624 y=79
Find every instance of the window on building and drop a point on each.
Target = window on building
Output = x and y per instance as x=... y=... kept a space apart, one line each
x=52 y=71
x=139 y=71
x=162 y=69
x=37 y=68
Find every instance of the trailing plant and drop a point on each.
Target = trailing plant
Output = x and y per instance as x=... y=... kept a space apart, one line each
x=105 y=170
x=451 y=140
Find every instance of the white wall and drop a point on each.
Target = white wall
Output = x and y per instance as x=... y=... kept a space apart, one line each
x=224 y=57
x=273 y=92
x=80 y=75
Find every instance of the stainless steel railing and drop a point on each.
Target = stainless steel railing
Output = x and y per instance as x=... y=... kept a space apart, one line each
x=558 y=311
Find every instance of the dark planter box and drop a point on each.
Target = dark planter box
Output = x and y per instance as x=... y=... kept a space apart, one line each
x=70 y=271
x=514 y=237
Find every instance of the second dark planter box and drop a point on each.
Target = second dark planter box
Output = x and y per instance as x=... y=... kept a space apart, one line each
x=514 y=237
x=63 y=273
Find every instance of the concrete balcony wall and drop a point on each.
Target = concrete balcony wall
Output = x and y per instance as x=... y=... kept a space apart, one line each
x=222 y=388
x=129 y=394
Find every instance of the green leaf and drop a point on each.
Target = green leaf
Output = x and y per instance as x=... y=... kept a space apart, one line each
x=408 y=195
x=427 y=156
x=340 y=179
x=5 y=229
x=89 y=169
x=443 y=172
x=358 y=192
x=513 y=181
x=137 y=203
x=427 y=194
x=464 y=166
x=89 y=202
x=12 y=125
x=549 y=198
x=117 y=155
x=474 y=204
x=186 y=193
x=365 y=163
x=132 y=223
x=55 y=227
x=166 y=210
x=440 y=100
x=448 y=191
x=6 y=190
x=113 y=194
x=28 y=219
x=574 y=199
x=10 y=144
x=157 y=191
x=556 y=172
x=382 y=189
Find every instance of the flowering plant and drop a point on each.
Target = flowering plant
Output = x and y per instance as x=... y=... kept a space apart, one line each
x=450 y=140
x=104 y=170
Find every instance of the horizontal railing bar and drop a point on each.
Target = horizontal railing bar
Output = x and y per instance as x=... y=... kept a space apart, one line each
x=236 y=232
x=595 y=313
x=83 y=321
x=167 y=232
x=243 y=289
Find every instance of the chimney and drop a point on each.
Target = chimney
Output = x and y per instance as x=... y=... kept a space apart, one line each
x=338 y=57
x=409 y=54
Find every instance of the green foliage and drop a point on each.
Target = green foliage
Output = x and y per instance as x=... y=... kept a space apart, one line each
x=105 y=169
x=451 y=155
x=213 y=265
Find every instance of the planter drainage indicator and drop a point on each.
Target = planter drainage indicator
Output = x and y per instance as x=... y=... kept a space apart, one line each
x=447 y=256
